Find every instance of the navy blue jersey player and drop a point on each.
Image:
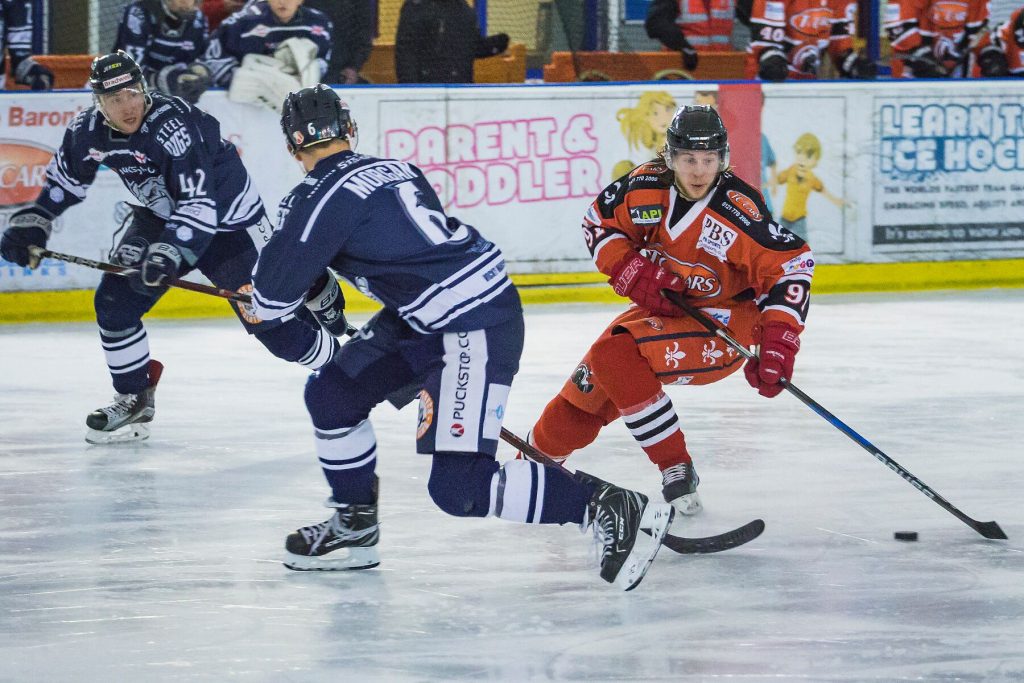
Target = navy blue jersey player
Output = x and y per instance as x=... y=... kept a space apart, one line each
x=166 y=38
x=451 y=325
x=199 y=210
x=17 y=35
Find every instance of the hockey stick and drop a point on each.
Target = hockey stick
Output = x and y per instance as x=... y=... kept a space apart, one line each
x=986 y=529
x=39 y=253
x=684 y=546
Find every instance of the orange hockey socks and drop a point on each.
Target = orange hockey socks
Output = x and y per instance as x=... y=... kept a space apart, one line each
x=632 y=386
x=563 y=428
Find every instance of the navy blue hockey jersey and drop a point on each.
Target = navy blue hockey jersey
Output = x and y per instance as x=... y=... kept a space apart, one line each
x=16 y=31
x=255 y=30
x=154 y=43
x=176 y=164
x=379 y=224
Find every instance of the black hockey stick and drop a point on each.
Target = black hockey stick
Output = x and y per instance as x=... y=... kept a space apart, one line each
x=986 y=529
x=40 y=253
x=684 y=546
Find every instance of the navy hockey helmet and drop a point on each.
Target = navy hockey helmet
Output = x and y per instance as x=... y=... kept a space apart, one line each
x=697 y=127
x=312 y=116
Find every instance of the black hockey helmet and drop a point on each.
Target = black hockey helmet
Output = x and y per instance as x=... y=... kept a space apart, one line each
x=113 y=72
x=315 y=115
x=697 y=127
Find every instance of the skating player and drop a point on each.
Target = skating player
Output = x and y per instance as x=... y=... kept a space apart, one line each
x=684 y=223
x=452 y=324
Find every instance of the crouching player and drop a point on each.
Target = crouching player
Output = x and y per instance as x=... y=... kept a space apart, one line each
x=683 y=223
x=452 y=324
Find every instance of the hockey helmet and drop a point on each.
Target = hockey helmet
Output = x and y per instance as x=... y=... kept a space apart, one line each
x=112 y=72
x=697 y=127
x=315 y=115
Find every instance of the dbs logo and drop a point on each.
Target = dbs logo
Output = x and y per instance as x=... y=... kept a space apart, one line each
x=815 y=22
x=22 y=171
x=744 y=204
x=949 y=14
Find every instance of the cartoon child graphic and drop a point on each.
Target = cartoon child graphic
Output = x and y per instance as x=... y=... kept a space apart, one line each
x=799 y=181
x=644 y=127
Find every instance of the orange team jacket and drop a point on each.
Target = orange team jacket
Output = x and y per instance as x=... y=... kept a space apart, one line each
x=735 y=253
x=1009 y=36
x=803 y=30
x=950 y=27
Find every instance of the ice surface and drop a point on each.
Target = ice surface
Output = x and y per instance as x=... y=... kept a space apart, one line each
x=161 y=561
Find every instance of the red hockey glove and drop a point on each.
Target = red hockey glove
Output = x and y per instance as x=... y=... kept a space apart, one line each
x=642 y=281
x=779 y=344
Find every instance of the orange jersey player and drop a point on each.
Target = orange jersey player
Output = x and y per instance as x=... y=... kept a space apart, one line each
x=1001 y=52
x=683 y=223
x=934 y=38
x=789 y=38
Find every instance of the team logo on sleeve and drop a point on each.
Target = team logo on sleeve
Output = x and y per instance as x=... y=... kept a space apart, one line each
x=646 y=215
x=246 y=310
x=744 y=204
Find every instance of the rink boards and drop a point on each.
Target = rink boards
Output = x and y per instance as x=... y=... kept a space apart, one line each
x=921 y=185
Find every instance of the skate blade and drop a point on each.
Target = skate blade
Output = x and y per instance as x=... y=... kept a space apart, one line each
x=657 y=518
x=131 y=433
x=356 y=558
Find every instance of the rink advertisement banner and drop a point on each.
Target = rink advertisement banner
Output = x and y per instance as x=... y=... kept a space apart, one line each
x=883 y=171
x=949 y=174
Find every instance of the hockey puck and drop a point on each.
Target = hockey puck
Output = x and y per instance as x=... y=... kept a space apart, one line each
x=905 y=535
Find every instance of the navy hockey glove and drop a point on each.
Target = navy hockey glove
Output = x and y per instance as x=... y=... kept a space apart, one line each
x=690 y=58
x=993 y=63
x=162 y=263
x=30 y=226
x=773 y=67
x=187 y=82
x=779 y=344
x=34 y=75
x=327 y=303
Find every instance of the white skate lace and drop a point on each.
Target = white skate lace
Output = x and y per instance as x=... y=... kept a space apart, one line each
x=603 y=529
x=674 y=473
x=122 y=406
x=337 y=525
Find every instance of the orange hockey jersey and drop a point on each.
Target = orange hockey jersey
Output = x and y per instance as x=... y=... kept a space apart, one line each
x=802 y=30
x=949 y=29
x=734 y=251
x=1009 y=36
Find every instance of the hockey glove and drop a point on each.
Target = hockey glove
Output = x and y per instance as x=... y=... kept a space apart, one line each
x=779 y=344
x=642 y=281
x=993 y=63
x=187 y=82
x=773 y=67
x=28 y=227
x=923 y=64
x=327 y=303
x=34 y=75
x=162 y=263
x=690 y=58
x=856 y=66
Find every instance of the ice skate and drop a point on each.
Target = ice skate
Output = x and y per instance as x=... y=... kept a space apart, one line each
x=679 y=486
x=348 y=540
x=617 y=516
x=127 y=418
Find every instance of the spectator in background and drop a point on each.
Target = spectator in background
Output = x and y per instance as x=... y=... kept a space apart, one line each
x=16 y=33
x=783 y=48
x=438 y=40
x=354 y=28
x=166 y=38
x=929 y=40
x=1001 y=52
x=687 y=26
x=217 y=11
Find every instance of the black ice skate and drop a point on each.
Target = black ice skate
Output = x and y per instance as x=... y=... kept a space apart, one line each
x=679 y=486
x=127 y=418
x=348 y=540
x=617 y=515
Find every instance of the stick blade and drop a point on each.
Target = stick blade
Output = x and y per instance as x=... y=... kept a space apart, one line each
x=715 y=544
x=990 y=530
